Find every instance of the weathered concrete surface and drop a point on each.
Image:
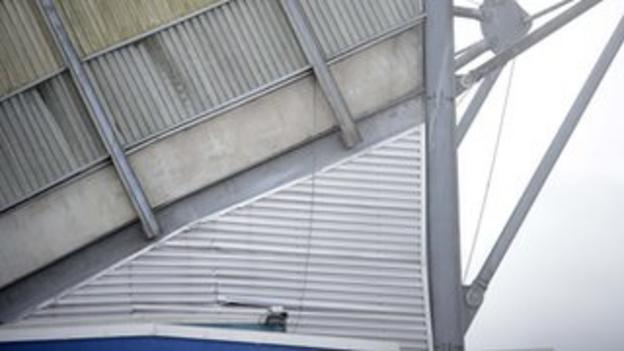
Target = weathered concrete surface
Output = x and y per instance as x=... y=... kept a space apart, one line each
x=276 y=122
x=227 y=144
x=381 y=74
x=63 y=220
x=87 y=208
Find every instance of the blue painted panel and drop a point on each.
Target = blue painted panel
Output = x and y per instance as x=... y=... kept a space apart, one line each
x=143 y=343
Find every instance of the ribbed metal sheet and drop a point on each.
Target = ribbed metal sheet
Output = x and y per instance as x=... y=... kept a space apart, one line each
x=195 y=66
x=45 y=134
x=97 y=24
x=206 y=62
x=342 y=252
x=342 y=24
x=182 y=72
x=27 y=50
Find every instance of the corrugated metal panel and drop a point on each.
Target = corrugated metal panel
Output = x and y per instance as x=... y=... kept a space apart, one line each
x=342 y=24
x=184 y=71
x=342 y=252
x=209 y=60
x=97 y=24
x=27 y=50
x=45 y=134
x=195 y=66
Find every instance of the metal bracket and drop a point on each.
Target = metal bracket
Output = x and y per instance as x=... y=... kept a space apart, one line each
x=504 y=23
x=312 y=50
x=505 y=26
x=526 y=42
x=474 y=295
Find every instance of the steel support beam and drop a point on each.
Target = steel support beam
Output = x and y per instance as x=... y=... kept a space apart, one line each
x=443 y=248
x=527 y=42
x=548 y=10
x=470 y=53
x=474 y=295
x=312 y=50
x=468 y=12
x=79 y=75
x=475 y=106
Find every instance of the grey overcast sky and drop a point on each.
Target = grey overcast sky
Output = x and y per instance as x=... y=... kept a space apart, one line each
x=562 y=283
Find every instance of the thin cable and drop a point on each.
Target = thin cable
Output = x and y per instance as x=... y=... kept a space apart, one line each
x=486 y=193
x=310 y=228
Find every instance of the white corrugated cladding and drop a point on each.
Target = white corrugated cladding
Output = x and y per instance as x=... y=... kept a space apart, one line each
x=342 y=251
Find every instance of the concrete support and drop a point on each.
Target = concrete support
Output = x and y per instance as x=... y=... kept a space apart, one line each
x=312 y=50
x=443 y=250
x=474 y=295
x=124 y=170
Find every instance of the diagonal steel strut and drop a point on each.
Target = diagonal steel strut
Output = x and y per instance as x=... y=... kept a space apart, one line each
x=475 y=292
x=126 y=174
x=312 y=50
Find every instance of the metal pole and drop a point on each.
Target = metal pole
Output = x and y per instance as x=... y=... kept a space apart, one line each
x=475 y=106
x=312 y=50
x=470 y=53
x=105 y=130
x=504 y=241
x=442 y=191
x=548 y=10
x=468 y=12
x=527 y=42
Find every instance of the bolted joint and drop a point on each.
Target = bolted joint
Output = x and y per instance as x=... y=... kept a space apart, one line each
x=466 y=81
x=473 y=299
x=474 y=294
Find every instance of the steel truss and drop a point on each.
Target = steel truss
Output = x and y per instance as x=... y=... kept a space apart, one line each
x=442 y=212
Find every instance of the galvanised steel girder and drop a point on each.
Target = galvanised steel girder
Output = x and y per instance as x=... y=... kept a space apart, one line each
x=311 y=48
x=105 y=129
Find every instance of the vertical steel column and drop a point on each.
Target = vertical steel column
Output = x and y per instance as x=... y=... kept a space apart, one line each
x=312 y=50
x=105 y=130
x=504 y=241
x=442 y=189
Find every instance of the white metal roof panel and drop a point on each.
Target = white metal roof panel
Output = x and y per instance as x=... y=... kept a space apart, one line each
x=342 y=251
